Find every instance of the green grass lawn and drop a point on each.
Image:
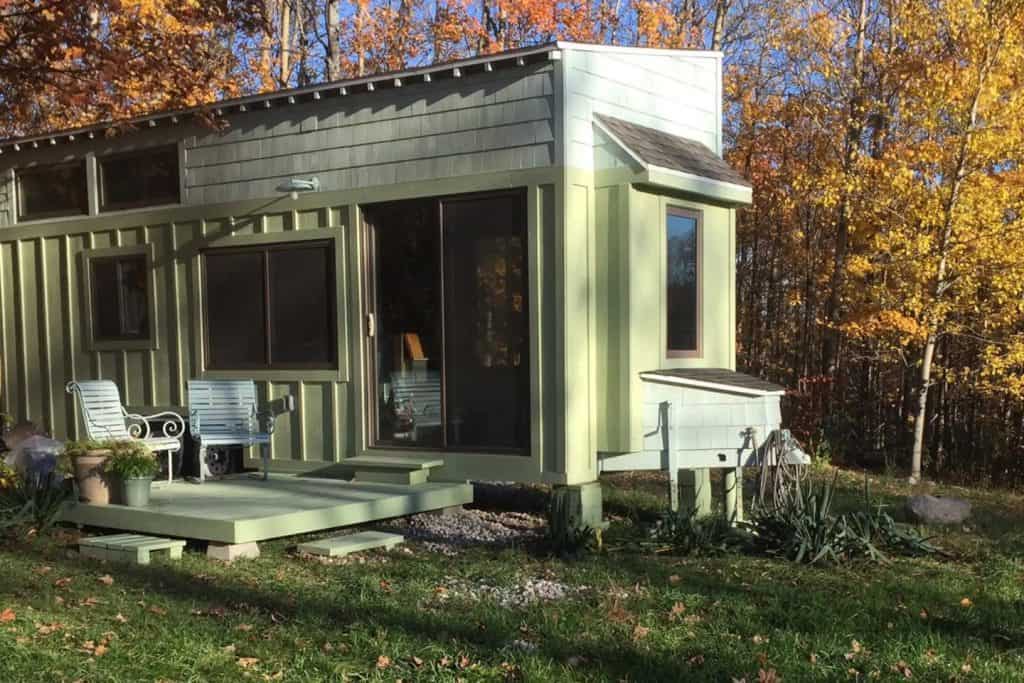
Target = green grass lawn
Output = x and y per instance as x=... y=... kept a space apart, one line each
x=417 y=615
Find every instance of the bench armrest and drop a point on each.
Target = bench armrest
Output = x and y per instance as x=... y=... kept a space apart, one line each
x=266 y=417
x=139 y=425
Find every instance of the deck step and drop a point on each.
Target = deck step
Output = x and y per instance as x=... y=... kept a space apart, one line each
x=132 y=548
x=393 y=469
x=393 y=462
x=339 y=546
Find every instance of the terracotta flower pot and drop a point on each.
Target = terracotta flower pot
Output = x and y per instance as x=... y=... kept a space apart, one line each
x=93 y=486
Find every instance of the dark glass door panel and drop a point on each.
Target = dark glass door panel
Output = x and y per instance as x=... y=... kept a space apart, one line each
x=449 y=351
x=487 y=334
x=407 y=340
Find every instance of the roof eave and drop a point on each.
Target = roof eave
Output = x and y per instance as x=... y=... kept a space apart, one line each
x=709 y=386
x=717 y=191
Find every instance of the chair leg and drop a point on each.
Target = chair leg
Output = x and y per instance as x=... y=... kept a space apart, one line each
x=170 y=467
x=265 y=454
x=201 y=454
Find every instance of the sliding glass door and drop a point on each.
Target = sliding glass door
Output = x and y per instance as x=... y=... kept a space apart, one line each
x=447 y=330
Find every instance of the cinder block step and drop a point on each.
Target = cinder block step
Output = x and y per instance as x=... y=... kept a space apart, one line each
x=339 y=546
x=131 y=548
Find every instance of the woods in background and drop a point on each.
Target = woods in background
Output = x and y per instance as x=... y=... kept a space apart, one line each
x=881 y=268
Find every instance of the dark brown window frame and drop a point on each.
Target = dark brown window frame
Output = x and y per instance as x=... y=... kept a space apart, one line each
x=332 y=293
x=19 y=175
x=371 y=417
x=698 y=217
x=101 y=180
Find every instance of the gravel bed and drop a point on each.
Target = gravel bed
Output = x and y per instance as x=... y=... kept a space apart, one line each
x=446 y=533
x=521 y=594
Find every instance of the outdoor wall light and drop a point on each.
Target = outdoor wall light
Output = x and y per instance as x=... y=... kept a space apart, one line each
x=294 y=186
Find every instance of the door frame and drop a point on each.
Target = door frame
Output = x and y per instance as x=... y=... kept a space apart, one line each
x=368 y=343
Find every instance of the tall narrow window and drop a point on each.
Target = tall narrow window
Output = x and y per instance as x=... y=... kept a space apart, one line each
x=52 y=191
x=683 y=284
x=148 y=177
x=270 y=307
x=120 y=298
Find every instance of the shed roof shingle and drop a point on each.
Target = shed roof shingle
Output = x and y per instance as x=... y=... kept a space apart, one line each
x=658 y=148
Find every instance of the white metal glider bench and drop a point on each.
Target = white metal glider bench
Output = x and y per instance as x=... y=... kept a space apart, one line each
x=106 y=418
x=223 y=412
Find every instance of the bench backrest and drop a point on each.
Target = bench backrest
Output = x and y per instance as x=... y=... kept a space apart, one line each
x=222 y=406
x=421 y=391
x=102 y=411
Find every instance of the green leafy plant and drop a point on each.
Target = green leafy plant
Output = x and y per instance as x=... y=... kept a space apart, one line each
x=684 y=532
x=131 y=460
x=30 y=499
x=803 y=529
x=75 y=449
x=567 y=536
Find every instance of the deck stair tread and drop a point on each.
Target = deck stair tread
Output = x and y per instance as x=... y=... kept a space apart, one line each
x=133 y=548
x=392 y=462
x=339 y=546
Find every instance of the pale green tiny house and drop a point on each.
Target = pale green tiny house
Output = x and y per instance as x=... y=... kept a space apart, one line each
x=493 y=251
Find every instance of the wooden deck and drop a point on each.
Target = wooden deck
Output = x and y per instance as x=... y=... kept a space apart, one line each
x=246 y=509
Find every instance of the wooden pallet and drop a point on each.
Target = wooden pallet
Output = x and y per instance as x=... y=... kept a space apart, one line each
x=131 y=548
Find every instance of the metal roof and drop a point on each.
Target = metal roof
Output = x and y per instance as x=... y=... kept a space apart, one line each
x=290 y=96
x=655 y=147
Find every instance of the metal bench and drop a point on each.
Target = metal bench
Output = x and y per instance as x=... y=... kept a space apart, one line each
x=418 y=394
x=223 y=412
x=105 y=418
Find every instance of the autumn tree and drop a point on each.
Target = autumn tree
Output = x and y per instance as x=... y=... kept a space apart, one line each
x=66 y=63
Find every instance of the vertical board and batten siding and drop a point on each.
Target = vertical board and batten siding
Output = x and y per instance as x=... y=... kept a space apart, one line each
x=498 y=121
x=43 y=340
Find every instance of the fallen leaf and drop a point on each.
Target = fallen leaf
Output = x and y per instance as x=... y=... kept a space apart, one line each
x=812 y=658
x=677 y=611
x=89 y=602
x=47 y=629
x=966 y=602
x=159 y=611
x=416 y=661
x=902 y=668
x=383 y=662
x=445 y=661
x=247 y=662
x=463 y=662
x=120 y=618
x=63 y=582
x=230 y=649
x=244 y=627
x=769 y=676
x=100 y=650
x=7 y=616
x=759 y=639
x=385 y=585
x=924 y=614
x=106 y=580
x=43 y=570
x=674 y=579
x=696 y=660
x=640 y=632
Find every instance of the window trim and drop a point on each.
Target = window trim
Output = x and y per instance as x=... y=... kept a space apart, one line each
x=19 y=173
x=332 y=292
x=88 y=289
x=102 y=206
x=698 y=216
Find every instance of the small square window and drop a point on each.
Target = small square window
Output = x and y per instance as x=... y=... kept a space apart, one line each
x=120 y=298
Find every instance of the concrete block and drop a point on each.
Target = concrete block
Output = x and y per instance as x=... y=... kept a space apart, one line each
x=339 y=546
x=229 y=552
x=583 y=504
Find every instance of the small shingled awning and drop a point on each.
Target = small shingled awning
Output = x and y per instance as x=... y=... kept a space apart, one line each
x=715 y=379
x=677 y=162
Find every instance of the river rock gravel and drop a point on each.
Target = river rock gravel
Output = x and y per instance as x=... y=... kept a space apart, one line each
x=448 y=532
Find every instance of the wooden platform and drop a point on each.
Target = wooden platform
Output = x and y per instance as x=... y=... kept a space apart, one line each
x=131 y=548
x=245 y=509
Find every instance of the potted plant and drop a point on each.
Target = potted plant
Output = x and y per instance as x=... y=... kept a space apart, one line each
x=135 y=465
x=85 y=460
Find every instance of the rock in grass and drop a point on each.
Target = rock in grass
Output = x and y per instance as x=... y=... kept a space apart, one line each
x=938 y=509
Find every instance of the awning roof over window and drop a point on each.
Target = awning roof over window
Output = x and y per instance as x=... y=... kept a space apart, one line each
x=714 y=379
x=677 y=162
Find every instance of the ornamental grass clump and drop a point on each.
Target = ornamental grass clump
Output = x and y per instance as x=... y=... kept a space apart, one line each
x=684 y=532
x=804 y=529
